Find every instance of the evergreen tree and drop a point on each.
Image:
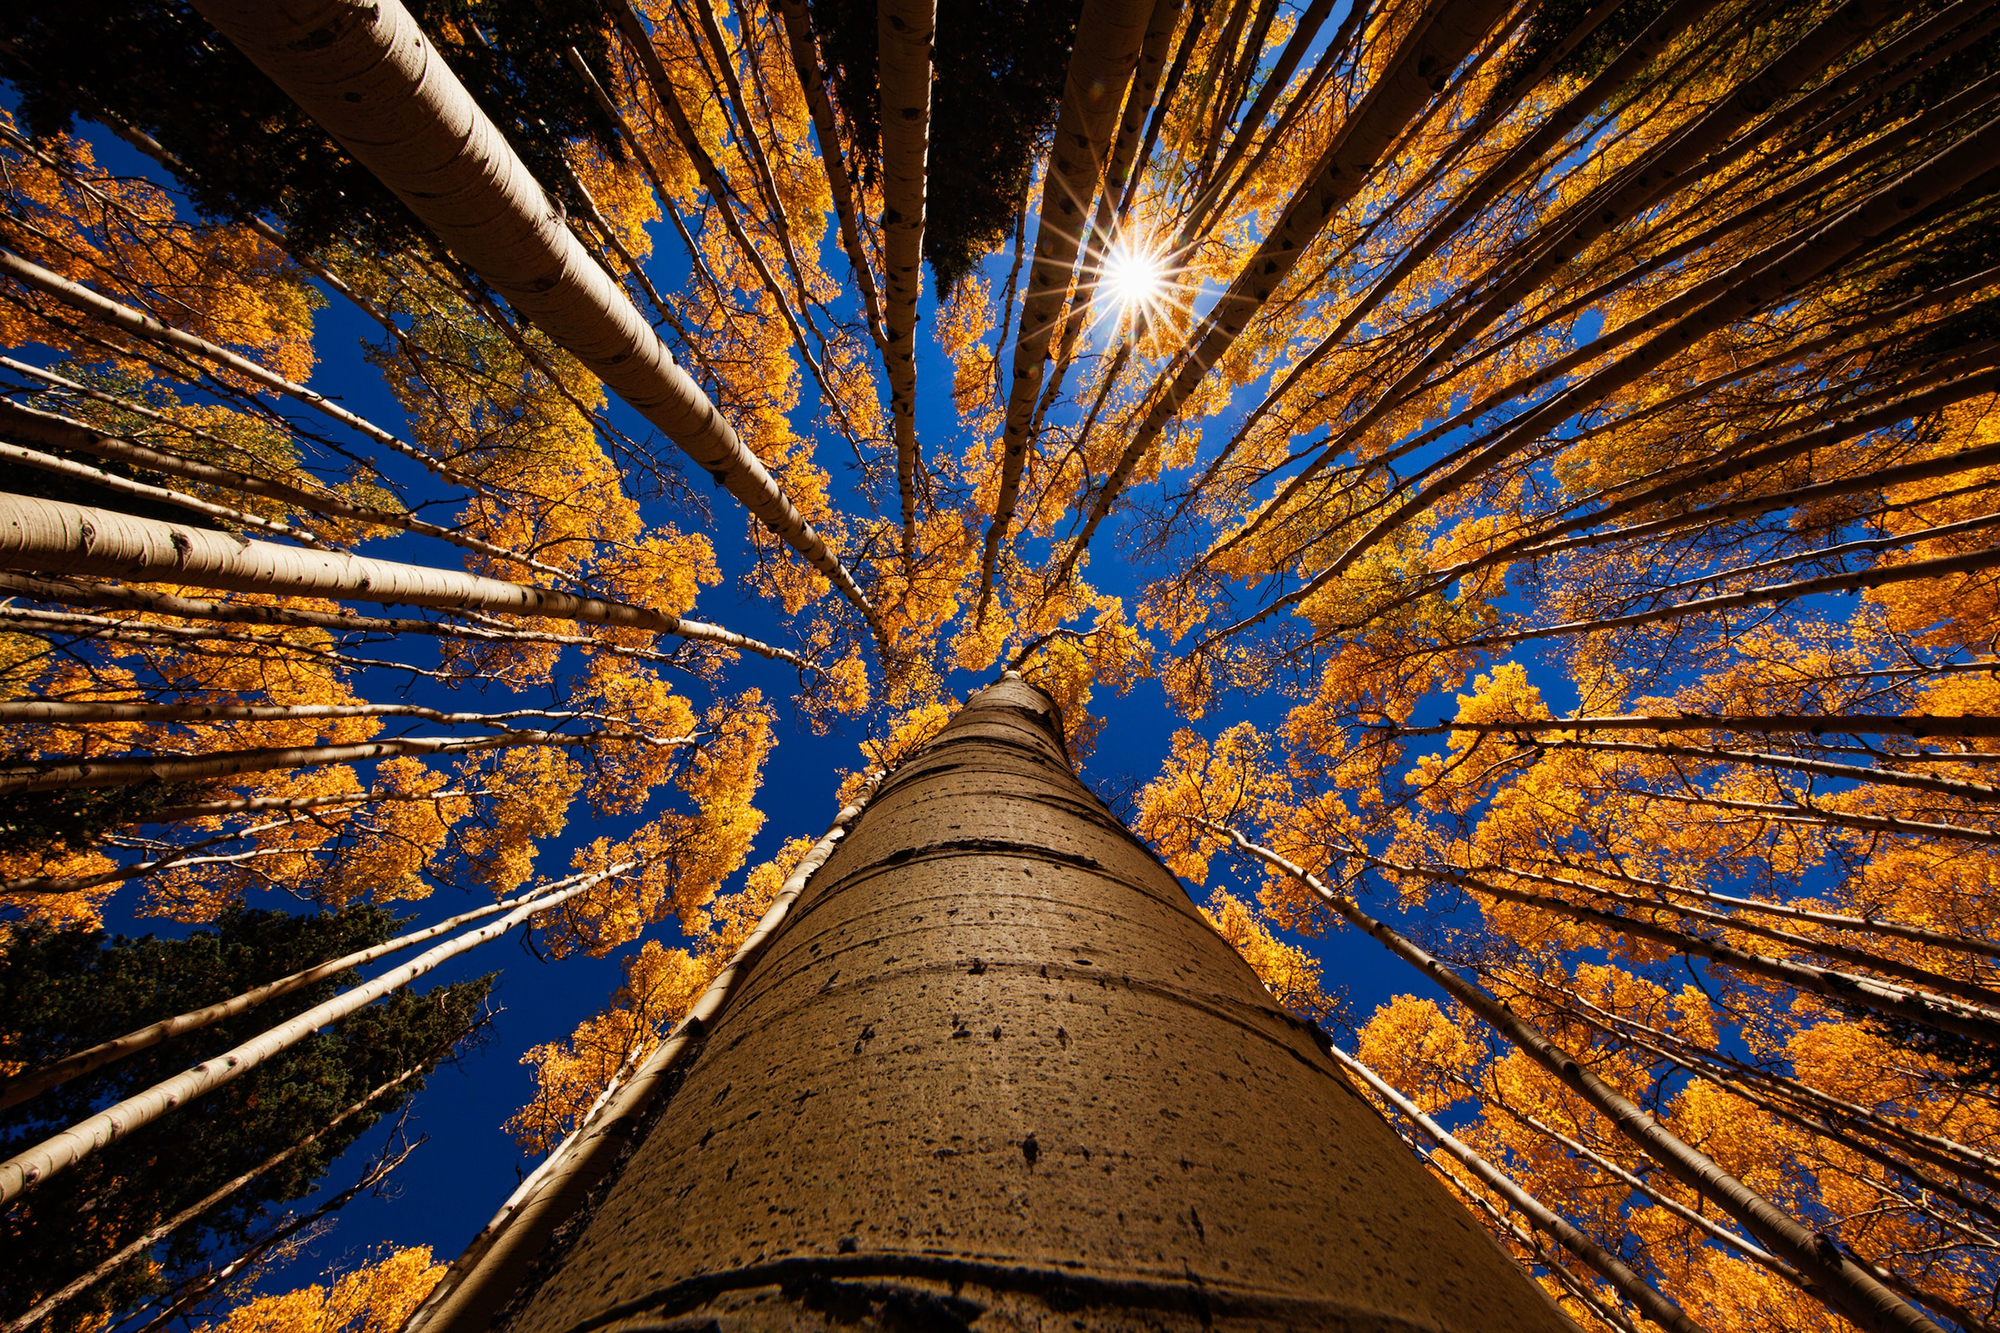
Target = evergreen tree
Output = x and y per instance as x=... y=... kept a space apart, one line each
x=64 y=990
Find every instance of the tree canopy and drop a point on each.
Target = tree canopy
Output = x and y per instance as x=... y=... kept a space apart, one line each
x=1539 y=454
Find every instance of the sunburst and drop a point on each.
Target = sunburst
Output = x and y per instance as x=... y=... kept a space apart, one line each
x=1136 y=280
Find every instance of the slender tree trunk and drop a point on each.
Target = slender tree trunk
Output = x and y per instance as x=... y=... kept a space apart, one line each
x=1629 y=1284
x=129 y=770
x=137 y=322
x=1118 y=169
x=51 y=537
x=1917 y=725
x=1842 y=1285
x=22 y=423
x=1901 y=930
x=1490 y=184
x=1810 y=813
x=367 y=73
x=1108 y=37
x=34 y=1165
x=34 y=1082
x=806 y=60
x=904 y=33
x=98 y=596
x=1857 y=989
x=996 y=1061
x=1779 y=270
x=148 y=1239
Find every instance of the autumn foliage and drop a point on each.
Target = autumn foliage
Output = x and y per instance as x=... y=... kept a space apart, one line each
x=1537 y=464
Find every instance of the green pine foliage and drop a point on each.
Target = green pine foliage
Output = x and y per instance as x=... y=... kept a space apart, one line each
x=63 y=991
x=1000 y=66
x=76 y=818
x=247 y=149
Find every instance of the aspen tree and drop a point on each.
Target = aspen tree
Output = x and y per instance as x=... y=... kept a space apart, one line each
x=872 y=1029
x=1642 y=353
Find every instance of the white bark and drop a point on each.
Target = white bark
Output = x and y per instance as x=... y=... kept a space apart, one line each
x=904 y=31
x=1835 y=1279
x=1108 y=37
x=57 y=432
x=51 y=537
x=55 y=712
x=35 y=1082
x=223 y=515
x=130 y=770
x=367 y=73
x=33 y=1166
x=102 y=595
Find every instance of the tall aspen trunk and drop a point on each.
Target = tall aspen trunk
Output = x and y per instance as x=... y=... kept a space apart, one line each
x=905 y=33
x=1109 y=35
x=368 y=75
x=996 y=1071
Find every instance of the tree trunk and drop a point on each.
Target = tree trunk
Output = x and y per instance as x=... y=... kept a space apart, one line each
x=1109 y=34
x=51 y=537
x=1629 y=1284
x=32 y=1083
x=34 y=1165
x=369 y=76
x=996 y=1061
x=905 y=30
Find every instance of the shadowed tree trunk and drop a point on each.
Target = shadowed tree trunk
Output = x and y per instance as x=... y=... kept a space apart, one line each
x=996 y=1071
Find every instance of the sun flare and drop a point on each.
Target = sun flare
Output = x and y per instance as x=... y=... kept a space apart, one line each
x=1135 y=279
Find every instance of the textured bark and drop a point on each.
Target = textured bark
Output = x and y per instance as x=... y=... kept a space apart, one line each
x=995 y=1071
x=367 y=73
x=492 y=1269
x=905 y=29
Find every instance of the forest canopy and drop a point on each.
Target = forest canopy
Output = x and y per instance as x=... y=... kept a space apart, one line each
x=1525 y=467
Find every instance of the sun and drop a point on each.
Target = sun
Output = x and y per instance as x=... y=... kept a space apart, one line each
x=1134 y=279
